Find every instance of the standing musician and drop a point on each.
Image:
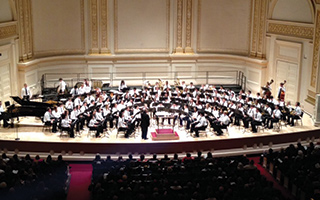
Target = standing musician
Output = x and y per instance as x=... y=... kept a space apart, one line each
x=122 y=86
x=195 y=118
x=281 y=91
x=61 y=86
x=4 y=116
x=295 y=114
x=26 y=92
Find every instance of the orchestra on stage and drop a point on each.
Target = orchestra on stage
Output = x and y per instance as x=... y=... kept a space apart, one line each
x=194 y=108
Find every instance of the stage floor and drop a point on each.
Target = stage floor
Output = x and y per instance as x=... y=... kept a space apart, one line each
x=31 y=129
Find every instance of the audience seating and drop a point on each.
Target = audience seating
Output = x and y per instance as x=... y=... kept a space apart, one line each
x=189 y=177
x=296 y=168
x=29 y=179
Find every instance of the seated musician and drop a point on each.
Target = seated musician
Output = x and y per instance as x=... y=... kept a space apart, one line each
x=166 y=85
x=175 y=115
x=295 y=114
x=26 y=93
x=202 y=125
x=266 y=114
x=238 y=115
x=257 y=120
x=121 y=106
x=286 y=110
x=106 y=112
x=69 y=105
x=185 y=117
x=195 y=119
x=114 y=115
x=66 y=125
x=137 y=115
x=176 y=91
x=183 y=85
x=248 y=117
x=74 y=91
x=191 y=86
x=81 y=90
x=276 y=116
x=74 y=118
x=222 y=122
x=84 y=113
x=49 y=119
x=95 y=125
x=122 y=126
x=56 y=114
x=122 y=86
x=156 y=86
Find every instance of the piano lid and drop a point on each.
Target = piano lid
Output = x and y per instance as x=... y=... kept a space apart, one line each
x=30 y=103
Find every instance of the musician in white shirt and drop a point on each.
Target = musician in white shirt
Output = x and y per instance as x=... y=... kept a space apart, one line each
x=48 y=119
x=95 y=125
x=74 y=91
x=61 y=86
x=276 y=115
x=221 y=123
x=26 y=93
x=296 y=114
x=202 y=125
x=257 y=120
x=66 y=125
x=122 y=86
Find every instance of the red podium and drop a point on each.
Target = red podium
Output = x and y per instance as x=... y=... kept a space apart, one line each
x=165 y=134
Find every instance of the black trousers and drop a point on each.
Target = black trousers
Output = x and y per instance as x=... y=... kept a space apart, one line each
x=218 y=126
x=144 y=130
x=254 y=125
x=196 y=130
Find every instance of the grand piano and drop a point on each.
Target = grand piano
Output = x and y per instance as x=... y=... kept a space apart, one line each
x=27 y=108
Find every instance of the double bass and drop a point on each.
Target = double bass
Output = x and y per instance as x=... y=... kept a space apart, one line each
x=281 y=94
x=266 y=89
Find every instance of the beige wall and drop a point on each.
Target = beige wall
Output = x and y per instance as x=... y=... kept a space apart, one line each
x=57 y=27
x=224 y=26
x=5 y=11
x=159 y=37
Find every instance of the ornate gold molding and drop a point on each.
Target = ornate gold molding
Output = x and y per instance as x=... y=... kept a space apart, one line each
x=262 y=31
x=188 y=48
x=253 y=51
x=311 y=97
x=104 y=27
x=315 y=59
x=179 y=26
x=25 y=29
x=8 y=31
x=291 y=30
x=94 y=27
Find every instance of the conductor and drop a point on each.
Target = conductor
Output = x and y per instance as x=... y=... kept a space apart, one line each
x=145 y=122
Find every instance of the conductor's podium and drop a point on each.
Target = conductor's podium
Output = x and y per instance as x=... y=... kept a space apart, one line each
x=164 y=134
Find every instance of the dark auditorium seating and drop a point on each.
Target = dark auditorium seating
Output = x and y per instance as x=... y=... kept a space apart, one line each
x=30 y=179
x=200 y=177
x=296 y=168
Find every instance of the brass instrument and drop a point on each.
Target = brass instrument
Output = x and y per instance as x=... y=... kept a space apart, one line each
x=160 y=84
x=177 y=82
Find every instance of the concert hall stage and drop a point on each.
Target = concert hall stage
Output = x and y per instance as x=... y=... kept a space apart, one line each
x=34 y=139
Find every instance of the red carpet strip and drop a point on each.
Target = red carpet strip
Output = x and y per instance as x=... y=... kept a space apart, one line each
x=80 y=181
x=269 y=177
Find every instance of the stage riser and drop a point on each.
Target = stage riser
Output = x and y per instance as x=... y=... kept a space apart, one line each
x=157 y=147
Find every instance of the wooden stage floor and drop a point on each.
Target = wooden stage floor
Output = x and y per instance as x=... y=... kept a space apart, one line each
x=33 y=138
